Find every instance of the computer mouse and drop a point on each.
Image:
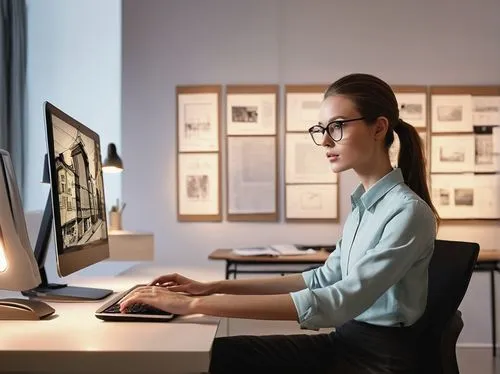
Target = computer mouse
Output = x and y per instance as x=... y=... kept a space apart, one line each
x=24 y=309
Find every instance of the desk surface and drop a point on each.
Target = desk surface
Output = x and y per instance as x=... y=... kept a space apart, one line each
x=227 y=254
x=75 y=341
x=317 y=257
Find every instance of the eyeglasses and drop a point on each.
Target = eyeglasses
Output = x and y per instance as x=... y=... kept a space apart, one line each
x=334 y=129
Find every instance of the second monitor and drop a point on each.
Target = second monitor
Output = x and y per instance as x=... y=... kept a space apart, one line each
x=76 y=205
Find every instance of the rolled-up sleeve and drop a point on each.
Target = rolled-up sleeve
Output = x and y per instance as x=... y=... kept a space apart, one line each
x=326 y=274
x=406 y=239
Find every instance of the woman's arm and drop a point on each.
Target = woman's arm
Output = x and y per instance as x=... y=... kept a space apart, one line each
x=263 y=286
x=270 y=307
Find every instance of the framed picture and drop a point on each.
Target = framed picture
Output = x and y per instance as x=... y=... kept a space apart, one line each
x=313 y=202
x=252 y=178
x=302 y=106
x=466 y=196
x=305 y=162
x=485 y=159
x=252 y=110
x=451 y=113
x=413 y=108
x=198 y=118
x=453 y=154
x=486 y=110
x=198 y=193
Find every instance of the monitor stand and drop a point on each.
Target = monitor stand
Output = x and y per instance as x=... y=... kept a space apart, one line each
x=54 y=291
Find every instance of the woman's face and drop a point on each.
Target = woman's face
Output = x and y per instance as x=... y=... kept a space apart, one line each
x=357 y=145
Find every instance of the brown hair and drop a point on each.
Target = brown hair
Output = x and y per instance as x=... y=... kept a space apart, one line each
x=374 y=98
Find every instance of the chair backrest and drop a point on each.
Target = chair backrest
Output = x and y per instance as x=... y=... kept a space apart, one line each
x=450 y=271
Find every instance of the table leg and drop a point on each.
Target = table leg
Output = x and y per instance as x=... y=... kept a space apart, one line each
x=493 y=313
x=235 y=270
x=227 y=269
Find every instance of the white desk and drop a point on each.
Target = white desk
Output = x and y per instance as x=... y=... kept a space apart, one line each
x=75 y=341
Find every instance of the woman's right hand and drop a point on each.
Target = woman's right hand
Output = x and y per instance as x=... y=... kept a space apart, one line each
x=178 y=283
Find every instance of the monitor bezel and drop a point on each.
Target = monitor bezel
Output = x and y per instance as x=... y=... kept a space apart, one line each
x=76 y=258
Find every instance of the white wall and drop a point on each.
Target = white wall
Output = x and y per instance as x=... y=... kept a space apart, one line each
x=166 y=43
x=74 y=61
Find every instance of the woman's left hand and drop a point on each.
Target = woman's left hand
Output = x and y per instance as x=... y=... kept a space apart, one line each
x=161 y=298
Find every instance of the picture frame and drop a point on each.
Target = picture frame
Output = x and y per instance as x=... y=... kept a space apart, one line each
x=252 y=178
x=305 y=162
x=198 y=118
x=485 y=159
x=252 y=109
x=412 y=105
x=198 y=192
x=466 y=196
x=453 y=153
x=302 y=104
x=451 y=113
x=312 y=203
x=486 y=110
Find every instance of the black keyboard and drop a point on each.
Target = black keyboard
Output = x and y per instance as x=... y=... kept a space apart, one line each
x=137 y=309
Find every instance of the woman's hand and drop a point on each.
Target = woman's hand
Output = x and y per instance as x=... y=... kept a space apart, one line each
x=178 y=283
x=160 y=298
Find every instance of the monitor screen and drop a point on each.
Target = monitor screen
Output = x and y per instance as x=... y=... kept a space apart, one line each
x=77 y=187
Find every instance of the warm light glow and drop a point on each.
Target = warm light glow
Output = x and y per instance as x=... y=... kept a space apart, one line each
x=3 y=260
x=111 y=169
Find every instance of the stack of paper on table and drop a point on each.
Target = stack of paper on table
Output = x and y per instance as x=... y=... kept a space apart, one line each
x=272 y=250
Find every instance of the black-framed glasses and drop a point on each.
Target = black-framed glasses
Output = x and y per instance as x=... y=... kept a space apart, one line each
x=334 y=129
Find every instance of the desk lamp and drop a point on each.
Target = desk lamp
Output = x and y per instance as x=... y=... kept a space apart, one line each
x=113 y=163
x=18 y=267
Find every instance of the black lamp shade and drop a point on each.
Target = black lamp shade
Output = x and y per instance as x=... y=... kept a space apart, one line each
x=113 y=160
x=46 y=176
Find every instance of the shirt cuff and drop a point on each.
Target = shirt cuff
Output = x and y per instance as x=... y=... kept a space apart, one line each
x=306 y=306
x=308 y=278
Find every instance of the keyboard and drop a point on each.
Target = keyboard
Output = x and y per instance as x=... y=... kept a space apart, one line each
x=110 y=311
x=136 y=309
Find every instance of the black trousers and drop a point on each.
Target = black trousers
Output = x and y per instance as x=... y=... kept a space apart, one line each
x=355 y=347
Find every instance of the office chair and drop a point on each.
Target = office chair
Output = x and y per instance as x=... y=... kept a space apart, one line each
x=450 y=271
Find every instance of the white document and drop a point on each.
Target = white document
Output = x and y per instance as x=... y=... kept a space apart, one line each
x=302 y=110
x=198 y=126
x=290 y=250
x=272 y=250
x=198 y=183
x=305 y=161
x=452 y=113
x=255 y=251
x=251 y=114
x=486 y=110
x=251 y=174
x=485 y=160
x=311 y=201
x=413 y=108
x=496 y=140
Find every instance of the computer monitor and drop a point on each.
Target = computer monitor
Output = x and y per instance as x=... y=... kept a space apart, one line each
x=20 y=264
x=76 y=204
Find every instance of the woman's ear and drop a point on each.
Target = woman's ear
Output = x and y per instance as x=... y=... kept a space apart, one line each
x=381 y=127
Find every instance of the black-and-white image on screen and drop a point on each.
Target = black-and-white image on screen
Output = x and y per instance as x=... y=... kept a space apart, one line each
x=80 y=186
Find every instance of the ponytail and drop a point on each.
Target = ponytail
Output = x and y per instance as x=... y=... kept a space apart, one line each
x=412 y=162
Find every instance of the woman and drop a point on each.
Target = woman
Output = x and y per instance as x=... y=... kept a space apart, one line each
x=372 y=288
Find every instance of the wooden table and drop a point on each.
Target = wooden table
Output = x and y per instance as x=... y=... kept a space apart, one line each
x=232 y=262
x=488 y=261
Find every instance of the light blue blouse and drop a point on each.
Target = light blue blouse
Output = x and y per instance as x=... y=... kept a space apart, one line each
x=378 y=271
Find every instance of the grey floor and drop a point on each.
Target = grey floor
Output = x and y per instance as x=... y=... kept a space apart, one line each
x=478 y=361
